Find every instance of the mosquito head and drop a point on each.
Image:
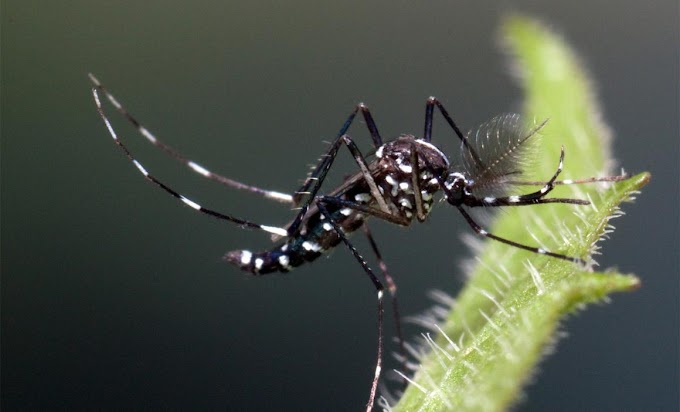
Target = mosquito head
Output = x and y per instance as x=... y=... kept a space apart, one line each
x=456 y=188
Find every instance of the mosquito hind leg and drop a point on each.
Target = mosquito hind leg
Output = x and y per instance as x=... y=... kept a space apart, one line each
x=175 y=154
x=222 y=216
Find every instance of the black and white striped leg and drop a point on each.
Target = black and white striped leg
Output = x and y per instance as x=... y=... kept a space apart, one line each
x=380 y=291
x=548 y=186
x=392 y=288
x=270 y=194
x=241 y=222
x=534 y=198
x=566 y=182
x=478 y=229
x=489 y=201
x=526 y=199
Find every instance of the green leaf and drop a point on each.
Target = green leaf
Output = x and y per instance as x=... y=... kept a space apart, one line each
x=510 y=308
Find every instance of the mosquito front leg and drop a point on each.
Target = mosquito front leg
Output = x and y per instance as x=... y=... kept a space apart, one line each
x=368 y=210
x=478 y=229
x=534 y=198
x=618 y=178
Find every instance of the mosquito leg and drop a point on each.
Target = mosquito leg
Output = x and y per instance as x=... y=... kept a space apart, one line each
x=478 y=229
x=375 y=136
x=303 y=193
x=370 y=124
x=313 y=183
x=538 y=197
x=574 y=182
x=361 y=161
x=429 y=109
x=270 y=194
x=392 y=288
x=526 y=199
x=388 y=217
x=490 y=201
x=380 y=291
x=421 y=214
x=185 y=200
x=537 y=250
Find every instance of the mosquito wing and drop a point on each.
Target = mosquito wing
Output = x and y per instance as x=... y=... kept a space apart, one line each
x=500 y=151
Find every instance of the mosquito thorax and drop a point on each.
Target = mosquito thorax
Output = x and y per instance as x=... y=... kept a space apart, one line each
x=395 y=174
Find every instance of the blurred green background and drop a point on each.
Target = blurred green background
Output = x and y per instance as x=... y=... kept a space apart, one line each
x=114 y=296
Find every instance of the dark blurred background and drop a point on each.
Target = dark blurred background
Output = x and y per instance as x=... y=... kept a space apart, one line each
x=114 y=295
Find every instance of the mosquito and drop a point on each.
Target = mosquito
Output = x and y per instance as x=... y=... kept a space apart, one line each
x=396 y=184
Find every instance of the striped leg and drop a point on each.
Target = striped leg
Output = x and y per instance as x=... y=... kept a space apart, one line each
x=538 y=197
x=618 y=178
x=533 y=249
x=241 y=222
x=270 y=194
x=529 y=198
x=458 y=199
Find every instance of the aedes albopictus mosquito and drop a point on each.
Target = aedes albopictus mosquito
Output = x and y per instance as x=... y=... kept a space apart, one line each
x=398 y=184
